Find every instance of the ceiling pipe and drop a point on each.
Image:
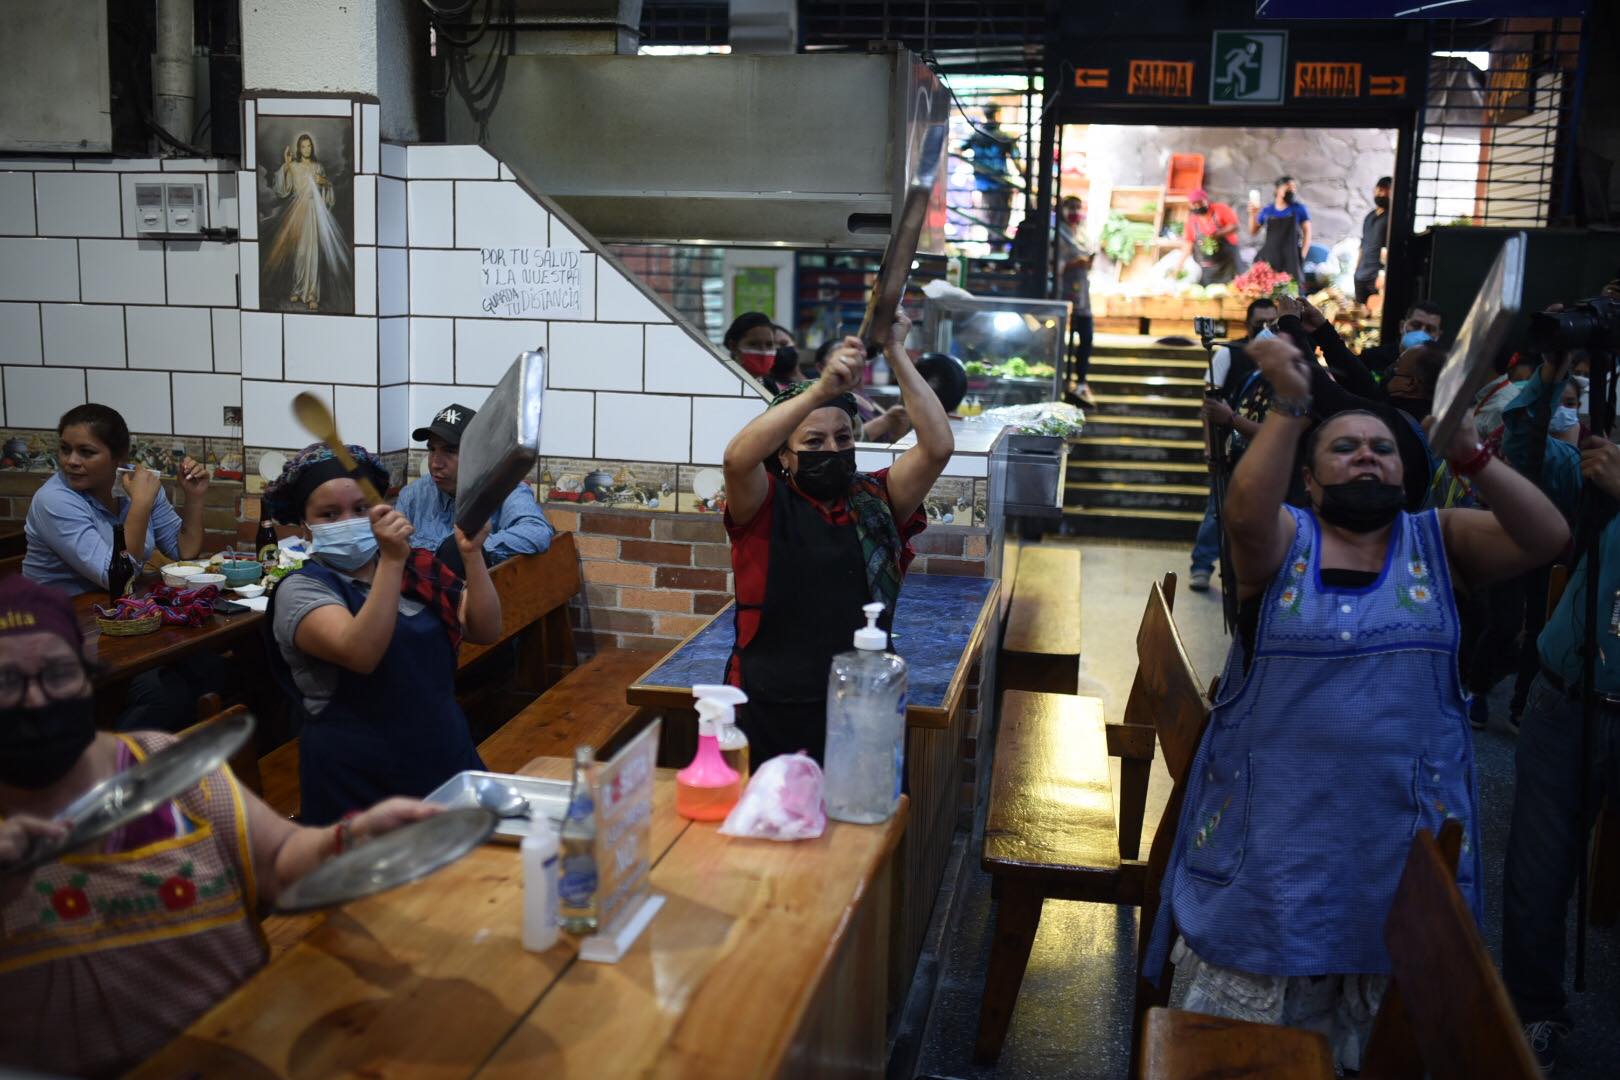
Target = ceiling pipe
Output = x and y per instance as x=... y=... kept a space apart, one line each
x=174 y=92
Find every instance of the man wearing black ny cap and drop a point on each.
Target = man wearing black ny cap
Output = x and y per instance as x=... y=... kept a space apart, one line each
x=429 y=502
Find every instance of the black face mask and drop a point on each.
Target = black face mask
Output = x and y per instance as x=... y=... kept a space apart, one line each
x=1288 y=197
x=39 y=746
x=1381 y=201
x=1200 y=209
x=825 y=474
x=1361 y=506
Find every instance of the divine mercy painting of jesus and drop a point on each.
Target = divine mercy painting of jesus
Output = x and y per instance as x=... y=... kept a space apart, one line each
x=305 y=193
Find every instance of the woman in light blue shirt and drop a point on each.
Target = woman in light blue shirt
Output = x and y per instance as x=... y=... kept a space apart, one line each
x=70 y=522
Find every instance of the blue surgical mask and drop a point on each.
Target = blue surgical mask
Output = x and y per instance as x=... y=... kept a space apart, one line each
x=345 y=545
x=1413 y=338
x=1264 y=334
x=1564 y=417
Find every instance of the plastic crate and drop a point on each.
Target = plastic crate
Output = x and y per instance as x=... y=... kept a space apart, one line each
x=1186 y=172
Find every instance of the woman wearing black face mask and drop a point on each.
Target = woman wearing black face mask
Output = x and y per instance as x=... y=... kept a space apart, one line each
x=111 y=951
x=812 y=540
x=1340 y=723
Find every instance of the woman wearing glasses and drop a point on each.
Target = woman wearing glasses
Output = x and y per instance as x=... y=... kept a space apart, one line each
x=109 y=952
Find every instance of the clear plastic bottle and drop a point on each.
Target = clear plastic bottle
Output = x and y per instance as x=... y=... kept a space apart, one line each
x=866 y=727
x=539 y=852
x=576 y=891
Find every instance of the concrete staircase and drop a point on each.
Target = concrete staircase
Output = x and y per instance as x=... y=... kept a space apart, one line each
x=1138 y=469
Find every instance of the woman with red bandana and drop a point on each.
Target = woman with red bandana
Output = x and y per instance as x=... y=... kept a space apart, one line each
x=108 y=953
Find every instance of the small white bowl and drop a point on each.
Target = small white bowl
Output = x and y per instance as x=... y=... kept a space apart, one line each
x=184 y=575
x=197 y=581
x=248 y=592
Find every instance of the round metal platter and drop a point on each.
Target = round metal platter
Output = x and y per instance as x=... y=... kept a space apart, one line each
x=407 y=854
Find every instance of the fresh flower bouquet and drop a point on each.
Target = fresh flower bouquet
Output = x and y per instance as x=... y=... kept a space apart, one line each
x=1261 y=280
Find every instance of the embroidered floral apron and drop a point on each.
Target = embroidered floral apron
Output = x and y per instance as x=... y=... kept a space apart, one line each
x=106 y=957
x=1348 y=733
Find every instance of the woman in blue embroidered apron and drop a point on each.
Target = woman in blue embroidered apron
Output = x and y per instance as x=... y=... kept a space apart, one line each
x=812 y=540
x=366 y=634
x=109 y=952
x=1340 y=727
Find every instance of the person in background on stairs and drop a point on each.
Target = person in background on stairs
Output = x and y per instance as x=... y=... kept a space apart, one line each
x=1339 y=726
x=111 y=952
x=1234 y=402
x=1074 y=285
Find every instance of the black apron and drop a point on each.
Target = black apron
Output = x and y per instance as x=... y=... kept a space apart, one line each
x=1281 y=248
x=1219 y=268
x=815 y=586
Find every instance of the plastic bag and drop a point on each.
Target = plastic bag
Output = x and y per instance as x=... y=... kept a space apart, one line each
x=783 y=801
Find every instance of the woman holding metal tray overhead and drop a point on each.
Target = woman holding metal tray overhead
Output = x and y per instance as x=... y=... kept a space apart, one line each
x=366 y=633
x=812 y=540
x=108 y=952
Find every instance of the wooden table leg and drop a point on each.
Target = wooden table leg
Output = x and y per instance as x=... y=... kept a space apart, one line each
x=1018 y=917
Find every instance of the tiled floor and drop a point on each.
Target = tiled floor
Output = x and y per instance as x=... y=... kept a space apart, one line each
x=1073 y=1016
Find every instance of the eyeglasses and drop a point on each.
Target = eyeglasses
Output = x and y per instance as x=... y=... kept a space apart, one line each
x=57 y=681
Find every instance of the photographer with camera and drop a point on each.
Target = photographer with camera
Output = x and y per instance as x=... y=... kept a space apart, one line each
x=1339 y=724
x=1569 y=739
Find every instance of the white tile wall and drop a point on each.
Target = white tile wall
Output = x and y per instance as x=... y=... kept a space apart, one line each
x=267 y=418
x=261 y=345
x=78 y=204
x=568 y=424
x=125 y=271
x=618 y=299
x=433 y=356
x=19 y=334
x=202 y=273
x=194 y=164
x=302 y=106
x=247 y=270
x=872 y=460
x=444 y=282
x=563 y=237
x=451 y=162
x=37 y=397
x=199 y=404
x=249 y=151
x=331 y=348
x=679 y=364
x=170 y=338
x=393 y=282
x=393 y=415
x=485 y=348
x=393 y=351
x=113 y=164
x=715 y=421
x=38 y=269
x=390 y=212
x=643 y=427
x=222 y=201
x=496 y=214
x=356 y=414
x=141 y=396
x=394 y=160
x=428 y=399
x=595 y=356
x=247 y=213
x=365 y=210
x=227 y=340
x=83 y=335
x=41 y=164
x=370 y=132
x=16 y=203
x=431 y=208
x=365 y=281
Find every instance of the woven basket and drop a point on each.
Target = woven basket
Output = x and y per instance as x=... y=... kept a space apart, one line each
x=129 y=627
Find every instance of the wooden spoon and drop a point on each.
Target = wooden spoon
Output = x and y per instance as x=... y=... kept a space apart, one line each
x=317 y=419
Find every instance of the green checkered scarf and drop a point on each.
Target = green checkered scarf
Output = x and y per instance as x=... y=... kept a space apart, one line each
x=874 y=521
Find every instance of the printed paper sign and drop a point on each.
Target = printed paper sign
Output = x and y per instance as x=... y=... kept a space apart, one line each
x=624 y=792
x=533 y=283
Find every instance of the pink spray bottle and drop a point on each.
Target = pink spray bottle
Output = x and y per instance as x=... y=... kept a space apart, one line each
x=708 y=788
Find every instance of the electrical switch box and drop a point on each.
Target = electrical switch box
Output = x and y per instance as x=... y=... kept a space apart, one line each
x=185 y=206
x=150 y=216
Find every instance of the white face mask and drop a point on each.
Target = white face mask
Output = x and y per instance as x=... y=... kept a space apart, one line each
x=1563 y=418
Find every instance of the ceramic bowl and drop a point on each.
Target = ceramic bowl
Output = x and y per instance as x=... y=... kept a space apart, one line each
x=248 y=592
x=241 y=572
x=183 y=575
x=198 y=581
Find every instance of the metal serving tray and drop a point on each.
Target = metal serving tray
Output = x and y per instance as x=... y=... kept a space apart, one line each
x=547 y=798
x=500 y=445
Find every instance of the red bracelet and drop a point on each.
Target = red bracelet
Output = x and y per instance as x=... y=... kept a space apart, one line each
x=342 y=836
x=1472 y=465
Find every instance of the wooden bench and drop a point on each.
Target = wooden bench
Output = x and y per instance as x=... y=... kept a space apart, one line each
x=586 y=706
x=1051 y=830
x=1040 y=643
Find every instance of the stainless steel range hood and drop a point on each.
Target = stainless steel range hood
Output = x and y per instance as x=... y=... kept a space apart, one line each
x=807 y=150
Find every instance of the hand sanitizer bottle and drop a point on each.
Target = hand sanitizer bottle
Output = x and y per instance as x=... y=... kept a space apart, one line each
x=708 y=788
x=866 y=727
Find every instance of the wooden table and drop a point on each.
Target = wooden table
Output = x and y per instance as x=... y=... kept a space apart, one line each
x=764 y=961
x=941 y=626
x=121 y=658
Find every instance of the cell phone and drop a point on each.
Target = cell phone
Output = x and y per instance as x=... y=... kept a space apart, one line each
x=230 y=607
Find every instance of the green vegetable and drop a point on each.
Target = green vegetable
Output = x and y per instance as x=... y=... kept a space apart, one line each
x=973 y=367
x=1122 y=236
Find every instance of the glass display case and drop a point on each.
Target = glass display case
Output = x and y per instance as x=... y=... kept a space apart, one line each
x=1013 y=350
